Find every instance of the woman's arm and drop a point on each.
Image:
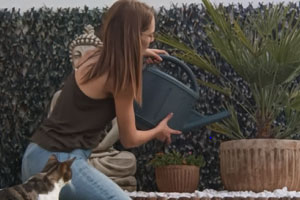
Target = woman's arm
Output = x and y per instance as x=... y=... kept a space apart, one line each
x=129 y=135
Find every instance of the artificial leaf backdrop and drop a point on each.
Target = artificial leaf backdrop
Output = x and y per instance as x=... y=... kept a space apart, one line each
x=34 y=61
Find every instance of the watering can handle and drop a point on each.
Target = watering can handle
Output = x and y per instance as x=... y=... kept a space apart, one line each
x=184 y=67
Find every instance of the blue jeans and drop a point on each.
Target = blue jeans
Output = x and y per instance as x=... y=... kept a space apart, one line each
x=87 y=182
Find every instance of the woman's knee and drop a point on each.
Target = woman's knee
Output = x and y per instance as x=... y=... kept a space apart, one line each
x=89 y=183
x=33 y=161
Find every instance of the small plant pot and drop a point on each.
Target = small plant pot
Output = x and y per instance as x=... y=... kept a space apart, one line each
x=177 y=178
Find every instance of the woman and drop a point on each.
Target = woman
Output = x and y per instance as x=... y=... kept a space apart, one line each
x=106 y=84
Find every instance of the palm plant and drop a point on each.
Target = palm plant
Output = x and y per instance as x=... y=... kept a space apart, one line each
x=265 y=52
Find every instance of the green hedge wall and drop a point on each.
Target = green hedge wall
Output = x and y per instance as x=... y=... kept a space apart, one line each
x=34 y=61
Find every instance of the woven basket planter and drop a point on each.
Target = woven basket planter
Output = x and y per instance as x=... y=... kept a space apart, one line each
x=177 y=178
x=260 y=164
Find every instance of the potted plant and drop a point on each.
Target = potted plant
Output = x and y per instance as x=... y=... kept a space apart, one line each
x=263 y=49
x=175 y=172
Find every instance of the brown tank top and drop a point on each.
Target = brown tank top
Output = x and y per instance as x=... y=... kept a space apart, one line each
x=77 y=121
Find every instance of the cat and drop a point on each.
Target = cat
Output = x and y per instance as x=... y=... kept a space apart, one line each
x=42 y=186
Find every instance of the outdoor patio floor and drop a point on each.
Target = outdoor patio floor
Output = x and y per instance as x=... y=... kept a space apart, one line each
x=208 y=194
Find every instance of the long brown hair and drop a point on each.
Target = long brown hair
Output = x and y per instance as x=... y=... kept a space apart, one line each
x=121 y=54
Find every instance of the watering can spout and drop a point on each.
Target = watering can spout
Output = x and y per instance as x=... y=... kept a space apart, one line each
x=196 y=120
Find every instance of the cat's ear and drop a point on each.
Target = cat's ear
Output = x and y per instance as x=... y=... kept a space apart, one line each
x=52 y=157
x=51 y=161
x=66 y=165
x=70 y=161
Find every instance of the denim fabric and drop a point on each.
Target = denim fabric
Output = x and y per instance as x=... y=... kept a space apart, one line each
x=87 y=182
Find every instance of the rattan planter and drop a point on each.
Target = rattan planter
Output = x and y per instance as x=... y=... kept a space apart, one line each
x=260 y=164
x=177 y=178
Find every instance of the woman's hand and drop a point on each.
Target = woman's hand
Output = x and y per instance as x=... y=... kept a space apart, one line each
x=131 y=137
x=152 y=55
x=164 y=131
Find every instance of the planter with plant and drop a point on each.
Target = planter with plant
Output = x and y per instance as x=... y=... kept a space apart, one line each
x=263 y=50
x=175 y=172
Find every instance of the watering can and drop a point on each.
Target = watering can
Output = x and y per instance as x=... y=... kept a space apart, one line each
x=163 y=94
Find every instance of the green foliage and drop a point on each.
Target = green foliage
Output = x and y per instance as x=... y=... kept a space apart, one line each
x=264 y=50
x=175 y=158
x=34 y=60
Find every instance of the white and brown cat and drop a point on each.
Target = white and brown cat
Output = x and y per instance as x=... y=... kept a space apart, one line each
x=42 y=186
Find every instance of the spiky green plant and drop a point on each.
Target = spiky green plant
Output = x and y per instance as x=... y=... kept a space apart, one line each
x=265 y=52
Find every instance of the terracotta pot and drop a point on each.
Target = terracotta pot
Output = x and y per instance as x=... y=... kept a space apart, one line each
x=177 y=178
x=260 y=164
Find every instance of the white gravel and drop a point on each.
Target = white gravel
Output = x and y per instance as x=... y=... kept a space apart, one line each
x=209 y=193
